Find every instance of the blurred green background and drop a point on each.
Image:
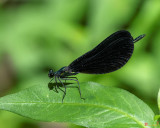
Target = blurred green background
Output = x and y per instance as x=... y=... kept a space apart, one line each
x=36 y=35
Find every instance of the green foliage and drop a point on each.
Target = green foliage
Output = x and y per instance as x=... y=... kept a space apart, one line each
x=157 y=117
x=36 y=35
x=159 y=100
x=104 y=106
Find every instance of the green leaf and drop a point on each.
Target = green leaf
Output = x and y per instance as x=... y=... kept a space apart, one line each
x=159 y=99
x=156 y=117
x=104 y=106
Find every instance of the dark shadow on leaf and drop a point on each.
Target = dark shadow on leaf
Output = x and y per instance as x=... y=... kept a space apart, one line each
x=53 y=86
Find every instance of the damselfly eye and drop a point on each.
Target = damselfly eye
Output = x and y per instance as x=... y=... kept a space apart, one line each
x=51 y=73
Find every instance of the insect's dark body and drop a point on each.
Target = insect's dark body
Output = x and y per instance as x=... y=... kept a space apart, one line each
x=110 y=55
x=62 y=73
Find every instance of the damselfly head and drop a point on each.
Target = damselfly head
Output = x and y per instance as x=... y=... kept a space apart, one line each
x=51 y=73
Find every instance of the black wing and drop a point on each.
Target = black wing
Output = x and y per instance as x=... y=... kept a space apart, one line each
x=110 y=55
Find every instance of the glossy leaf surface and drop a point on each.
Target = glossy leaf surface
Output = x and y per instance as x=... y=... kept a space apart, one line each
x=104 y=106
